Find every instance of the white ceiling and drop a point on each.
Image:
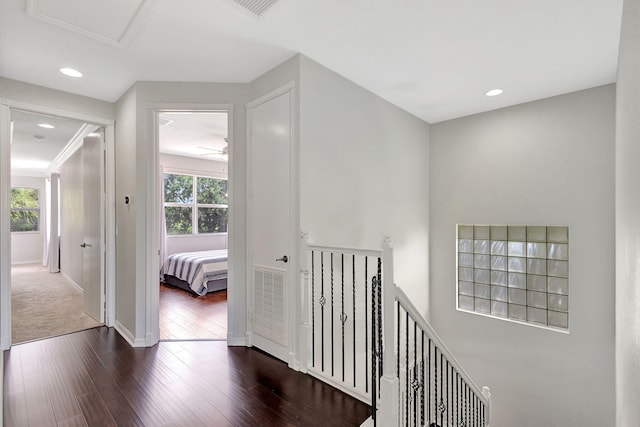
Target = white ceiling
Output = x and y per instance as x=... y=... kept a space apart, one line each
x=434 y=58
x=201 y=135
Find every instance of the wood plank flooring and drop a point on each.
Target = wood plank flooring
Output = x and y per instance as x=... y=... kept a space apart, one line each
x=187 y=317
x=94 y=378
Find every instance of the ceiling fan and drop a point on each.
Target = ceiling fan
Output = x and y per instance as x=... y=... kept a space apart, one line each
x=216 y=151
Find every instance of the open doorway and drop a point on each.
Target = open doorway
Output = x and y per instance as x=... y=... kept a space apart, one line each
x=194 y=210
x=57 y=226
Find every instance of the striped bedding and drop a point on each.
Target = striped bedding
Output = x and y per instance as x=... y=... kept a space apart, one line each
x=197 y=268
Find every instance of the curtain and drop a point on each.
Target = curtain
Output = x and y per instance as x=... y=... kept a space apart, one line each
x=163 y=228
x=45 y=224
x=51 y=257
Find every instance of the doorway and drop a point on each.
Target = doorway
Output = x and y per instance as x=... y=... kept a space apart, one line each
x=51 y=287
x=194 y=206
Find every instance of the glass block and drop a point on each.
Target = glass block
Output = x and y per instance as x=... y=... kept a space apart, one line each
x=465 y=288
x=536 y=283
x=519 y=265
x=537 y=250
x=499 y=263
x=537 y=266
x=560 y=320
x=558 y=285
x=558 y=234
x=482 y=261
x=537 y=299
x=465 y=303
x=558 y=268
x=465 y=260
x=517 y=232
x=465 y=274
x=498 y=232
x=482 y=276
x=517 y=280
x=537 y=315
x=498 y=293
x=558 y=251
x=518 y=312
x=481 y=246
x=465 y=245
x=558 y=302
x=483 y=305
x=481 y=232
x=482 y=291
x=465 y=232
x=499 y=278
x=517 y=296
x=498 y=248
x=499 y=308
x=536 y=234
x=517 y=249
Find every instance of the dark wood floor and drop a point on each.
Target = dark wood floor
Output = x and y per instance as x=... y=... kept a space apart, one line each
x=94 y=378
x=186 y=316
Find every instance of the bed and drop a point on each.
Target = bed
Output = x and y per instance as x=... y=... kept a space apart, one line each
x=197 y=272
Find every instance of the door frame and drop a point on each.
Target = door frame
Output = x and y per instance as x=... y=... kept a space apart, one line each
x=292 y=328
x=153 y=204
x=108 y=210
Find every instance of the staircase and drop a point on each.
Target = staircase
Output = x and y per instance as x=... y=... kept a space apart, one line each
x=363 y=335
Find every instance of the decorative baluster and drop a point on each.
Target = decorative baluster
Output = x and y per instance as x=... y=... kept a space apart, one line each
x=416 y=383
x=332 y=319
x=429 y=383
x=374 y=391
x=422 y=379
x=323 y=301
x=343 y=315
x=441 y=407
x=313 y=310
x=380 y=342
x=406 y=366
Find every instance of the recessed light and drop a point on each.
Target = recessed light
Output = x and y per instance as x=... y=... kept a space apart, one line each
x=38 y=138
x=71 y=72
x=94 y=134
x=494 y=92
x=46 y=126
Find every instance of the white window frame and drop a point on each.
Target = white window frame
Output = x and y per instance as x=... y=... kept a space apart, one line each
x=39 y=209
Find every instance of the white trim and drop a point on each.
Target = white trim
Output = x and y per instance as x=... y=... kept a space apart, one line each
x=125 y=38
x=72 y=282
x=289 y=87
x=237 y=342
x=74 y=144
x=153 y=206
x=5 y=226
x=37 y=261
x=128 y=336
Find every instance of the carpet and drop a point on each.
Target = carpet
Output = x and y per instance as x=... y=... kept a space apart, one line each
x=44 y=305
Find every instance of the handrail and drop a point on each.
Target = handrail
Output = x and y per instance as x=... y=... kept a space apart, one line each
x=408 y=306
x=363 y=252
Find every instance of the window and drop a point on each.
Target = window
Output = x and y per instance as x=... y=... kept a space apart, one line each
x=195 y=204
x=25 y=209
x=515 y=272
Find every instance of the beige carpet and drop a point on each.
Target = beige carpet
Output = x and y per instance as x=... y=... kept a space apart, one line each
x=44 y=305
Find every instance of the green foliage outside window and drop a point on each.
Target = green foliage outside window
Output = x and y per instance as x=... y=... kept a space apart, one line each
x=199 y=213
x=25 y=209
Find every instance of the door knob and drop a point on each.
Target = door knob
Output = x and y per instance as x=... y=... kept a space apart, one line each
x=85 y=245
x=283 y=259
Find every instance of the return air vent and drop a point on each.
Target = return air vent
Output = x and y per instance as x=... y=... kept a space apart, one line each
x=268 y=304
x=257 y=7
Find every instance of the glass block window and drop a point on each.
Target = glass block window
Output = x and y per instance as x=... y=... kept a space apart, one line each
x=515 y=272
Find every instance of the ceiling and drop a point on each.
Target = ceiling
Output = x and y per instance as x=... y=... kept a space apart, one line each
x=433 y=58
x=202 y=135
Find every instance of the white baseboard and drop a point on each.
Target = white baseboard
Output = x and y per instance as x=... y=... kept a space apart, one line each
x=72 y=282
x=37 y=261
x=128 y=336
x=236 y=341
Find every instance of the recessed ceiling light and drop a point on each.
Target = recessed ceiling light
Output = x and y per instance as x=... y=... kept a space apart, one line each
x=494 y=92
x=94 y=134
x=38 y=138
x=71 y=72
x=46 y=126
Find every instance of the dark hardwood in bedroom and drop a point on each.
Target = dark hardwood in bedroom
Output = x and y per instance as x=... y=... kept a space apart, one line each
x=94 y=378
x=186 y=316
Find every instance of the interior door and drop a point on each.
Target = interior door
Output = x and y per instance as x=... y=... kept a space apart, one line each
x=91 y=245
x=270 y=223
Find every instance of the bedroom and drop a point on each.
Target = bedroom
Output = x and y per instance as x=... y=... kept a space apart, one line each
x=193 y=164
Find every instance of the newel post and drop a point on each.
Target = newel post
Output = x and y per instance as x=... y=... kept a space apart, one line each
x=486 y=392
x=389 y=392
x=304 y=334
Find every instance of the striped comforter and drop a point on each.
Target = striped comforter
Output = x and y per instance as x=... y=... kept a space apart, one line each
x=197 y=268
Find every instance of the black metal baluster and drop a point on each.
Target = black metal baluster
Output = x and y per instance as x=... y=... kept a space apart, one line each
x=343 y=315
x=441 y=407
x=313 y=310
x=366 y=328
x=406 y=366
x=446 y=392
x=374 y=391
x=332 y=319
x=429 y=383
x=422 y=379
x=435 y=383
x=380 y=343
x=416 y=383
x=353 y=300
x=323 y=301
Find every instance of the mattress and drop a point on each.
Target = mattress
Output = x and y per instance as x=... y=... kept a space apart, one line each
x=197 y=268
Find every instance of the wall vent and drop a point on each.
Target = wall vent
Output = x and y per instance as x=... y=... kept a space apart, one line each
x=257 y=7
x=269 y=304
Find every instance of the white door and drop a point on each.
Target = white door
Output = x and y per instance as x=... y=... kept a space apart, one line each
x=91 y=245
x=271 y=247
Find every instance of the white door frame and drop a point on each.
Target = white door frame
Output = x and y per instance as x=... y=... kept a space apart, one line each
x=152 y=331
x=294 y=298
x=109 y=263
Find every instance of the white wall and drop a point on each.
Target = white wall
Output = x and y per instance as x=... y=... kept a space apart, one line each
x=549 y=162
x=190 y=165
x=628 y=220
x=72 y=217
x=364 y=174
x=27 y=247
